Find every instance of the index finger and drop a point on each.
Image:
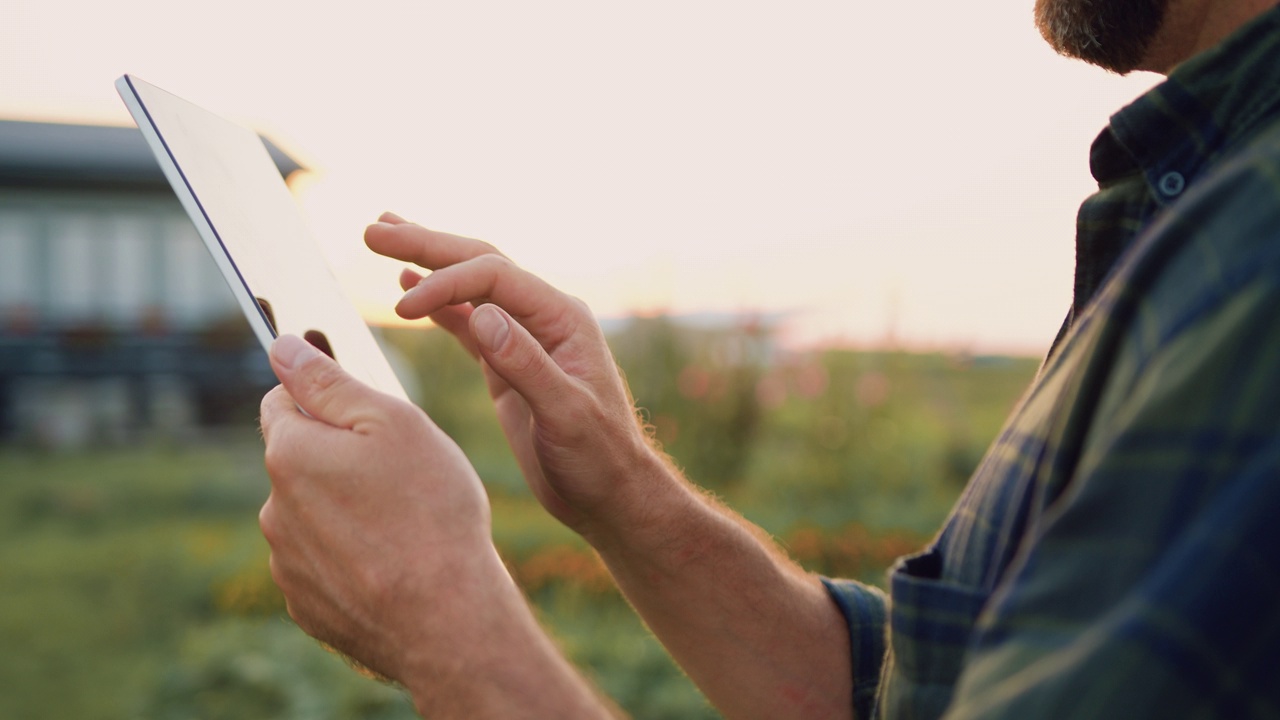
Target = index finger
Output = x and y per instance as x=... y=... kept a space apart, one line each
x=279 y=410
x=275 y=408
x=490 y=278
x=288 y=432
x=430 y=249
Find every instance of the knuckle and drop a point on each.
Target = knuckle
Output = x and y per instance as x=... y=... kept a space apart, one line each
x=578 y=304
x=267 y=522
x=574 y=318
x=493 y=264
x=582 y=412
x=297 y=616
x=399 y=415
x=275 y=461
x=267 y=407
x=527 y=361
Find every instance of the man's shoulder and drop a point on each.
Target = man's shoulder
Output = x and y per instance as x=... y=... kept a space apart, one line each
x=1210 y=256
x=1255 y=149
x=1223 y=234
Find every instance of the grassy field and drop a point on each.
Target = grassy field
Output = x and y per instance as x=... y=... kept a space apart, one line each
x=134 y=584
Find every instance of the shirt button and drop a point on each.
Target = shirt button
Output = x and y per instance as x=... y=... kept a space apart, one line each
x=1172 y=183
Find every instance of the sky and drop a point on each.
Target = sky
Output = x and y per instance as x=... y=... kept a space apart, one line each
x=863 y=170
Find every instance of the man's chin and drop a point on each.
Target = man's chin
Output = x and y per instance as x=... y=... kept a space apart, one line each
x=1114 y=35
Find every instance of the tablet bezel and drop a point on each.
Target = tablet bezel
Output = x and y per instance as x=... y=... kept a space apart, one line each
x=373 y=366
x=245 y=298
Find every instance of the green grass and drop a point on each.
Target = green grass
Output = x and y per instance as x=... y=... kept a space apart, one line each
x=134 y=583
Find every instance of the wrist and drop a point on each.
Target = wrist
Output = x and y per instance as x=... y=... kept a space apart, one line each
x=454 y=621
x=650 y=504
x=486 y=656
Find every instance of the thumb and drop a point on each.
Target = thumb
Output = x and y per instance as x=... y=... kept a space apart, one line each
x=319 y=386
x=518 y=358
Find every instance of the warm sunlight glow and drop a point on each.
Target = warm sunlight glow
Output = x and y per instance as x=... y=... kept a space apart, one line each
x=871 y=171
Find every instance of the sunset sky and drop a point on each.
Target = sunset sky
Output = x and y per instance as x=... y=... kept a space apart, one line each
x=861 y=167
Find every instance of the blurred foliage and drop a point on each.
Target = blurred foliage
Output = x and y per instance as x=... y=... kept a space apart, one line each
x=134 y=582
x=266 y=669
x=698 y=389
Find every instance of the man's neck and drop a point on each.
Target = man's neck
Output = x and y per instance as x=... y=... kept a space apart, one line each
x=1193 y=26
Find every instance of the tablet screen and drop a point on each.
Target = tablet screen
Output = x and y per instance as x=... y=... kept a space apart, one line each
x=233 y=192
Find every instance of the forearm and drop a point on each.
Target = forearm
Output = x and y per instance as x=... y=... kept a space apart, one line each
x=758 y=635
x=509 y=668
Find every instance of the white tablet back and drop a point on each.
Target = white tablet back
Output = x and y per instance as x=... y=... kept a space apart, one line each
x=233 y=192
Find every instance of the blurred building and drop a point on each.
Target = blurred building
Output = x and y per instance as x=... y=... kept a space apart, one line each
x=113 y=318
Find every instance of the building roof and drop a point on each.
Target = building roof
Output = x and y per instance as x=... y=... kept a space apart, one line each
x=58 y=155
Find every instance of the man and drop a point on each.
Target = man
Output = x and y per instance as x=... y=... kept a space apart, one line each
x=1114 y=555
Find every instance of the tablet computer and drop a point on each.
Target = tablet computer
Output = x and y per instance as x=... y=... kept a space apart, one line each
x=234 y=194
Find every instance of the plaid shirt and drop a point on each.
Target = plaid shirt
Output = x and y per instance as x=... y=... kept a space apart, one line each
x=1117 y=552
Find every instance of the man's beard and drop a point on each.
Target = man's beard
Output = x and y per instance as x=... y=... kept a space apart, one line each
x=1112 y=34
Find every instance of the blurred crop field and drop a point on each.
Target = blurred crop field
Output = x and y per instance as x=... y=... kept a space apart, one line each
x=134 y=582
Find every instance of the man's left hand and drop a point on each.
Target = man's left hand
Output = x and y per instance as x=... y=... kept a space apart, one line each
x=378 y=525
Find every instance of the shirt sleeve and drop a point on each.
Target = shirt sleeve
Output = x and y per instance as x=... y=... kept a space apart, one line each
x=864 y=609
x=1151 y=586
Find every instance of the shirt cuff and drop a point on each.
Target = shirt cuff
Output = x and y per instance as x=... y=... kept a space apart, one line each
x=865 y=611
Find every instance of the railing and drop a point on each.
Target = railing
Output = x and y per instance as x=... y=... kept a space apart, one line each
x=205 y=358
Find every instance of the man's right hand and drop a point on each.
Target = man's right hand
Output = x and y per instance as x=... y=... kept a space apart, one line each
x=560 y=398
x=757 y=634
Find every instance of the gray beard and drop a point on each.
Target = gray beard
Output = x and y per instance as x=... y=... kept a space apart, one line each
x=1112 y=34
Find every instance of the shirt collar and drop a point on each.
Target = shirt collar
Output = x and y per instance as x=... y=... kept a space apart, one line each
x=1177 y=129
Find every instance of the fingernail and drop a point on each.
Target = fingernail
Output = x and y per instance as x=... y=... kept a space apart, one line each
x=290 y=351
x=400 y=305
x=382 y=225
x=491 y=327
x=390 y=217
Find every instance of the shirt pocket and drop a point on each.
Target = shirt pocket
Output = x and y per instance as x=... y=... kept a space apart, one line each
x=931 y=623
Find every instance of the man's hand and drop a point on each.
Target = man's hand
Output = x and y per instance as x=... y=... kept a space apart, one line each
x=560 y=399
x=757 y=634
x=370 y=504
x=380 y=540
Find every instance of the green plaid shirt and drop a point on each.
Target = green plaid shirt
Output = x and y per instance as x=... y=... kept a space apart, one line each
x=1117 y=552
